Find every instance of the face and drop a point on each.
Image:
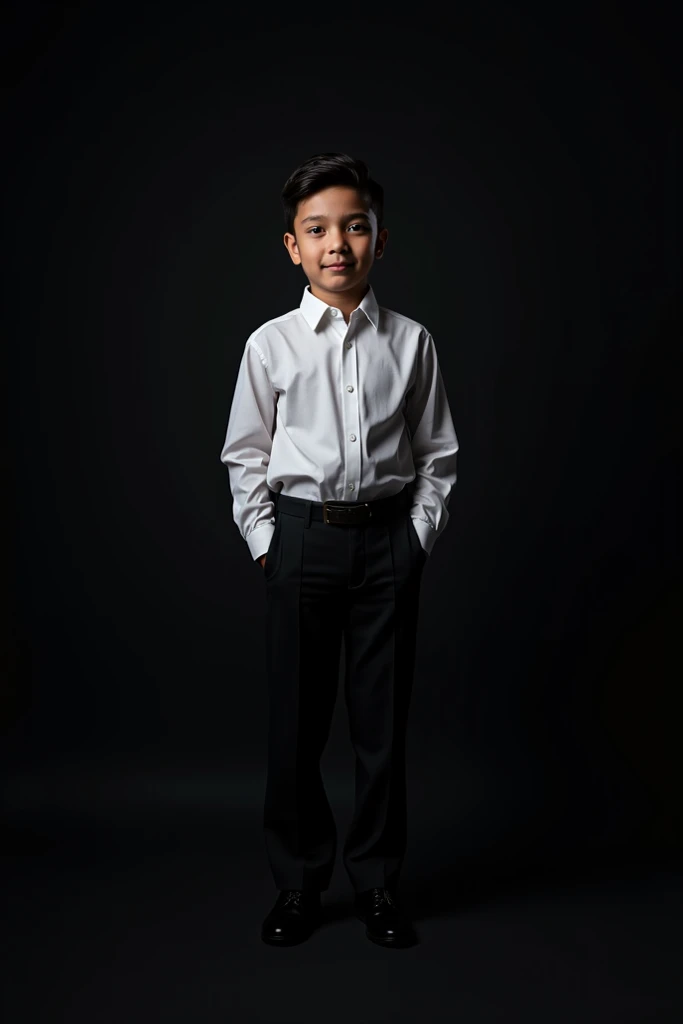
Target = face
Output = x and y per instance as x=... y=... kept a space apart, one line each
x=334 y=226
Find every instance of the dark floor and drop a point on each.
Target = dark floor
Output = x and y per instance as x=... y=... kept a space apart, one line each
x=152 y=923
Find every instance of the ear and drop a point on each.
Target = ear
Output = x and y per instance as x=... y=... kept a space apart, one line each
x=292 y=247
x=380 y=245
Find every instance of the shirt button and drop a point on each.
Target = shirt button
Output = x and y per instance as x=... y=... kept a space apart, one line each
x=351 y=486
x=335 y=313
x=349 y=387
x=352 y=437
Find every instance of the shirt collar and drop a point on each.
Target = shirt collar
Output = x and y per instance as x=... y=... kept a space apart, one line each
x=313 y=309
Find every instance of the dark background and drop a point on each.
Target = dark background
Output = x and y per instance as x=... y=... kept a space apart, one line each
x=528 y=156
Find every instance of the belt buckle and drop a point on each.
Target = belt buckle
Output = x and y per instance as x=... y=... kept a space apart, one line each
x=344 y=511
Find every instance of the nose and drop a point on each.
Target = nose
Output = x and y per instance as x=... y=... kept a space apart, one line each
x=338 y=242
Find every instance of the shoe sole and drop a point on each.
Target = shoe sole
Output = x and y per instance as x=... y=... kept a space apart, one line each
x=291 y=940
x=389 y=942
x=288 y=941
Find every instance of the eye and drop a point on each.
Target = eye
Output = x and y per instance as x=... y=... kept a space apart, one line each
x=316 y=228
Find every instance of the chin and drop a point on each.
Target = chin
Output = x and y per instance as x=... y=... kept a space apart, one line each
x=347 y=276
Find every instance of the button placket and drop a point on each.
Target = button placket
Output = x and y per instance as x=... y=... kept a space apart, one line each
x=352 y=419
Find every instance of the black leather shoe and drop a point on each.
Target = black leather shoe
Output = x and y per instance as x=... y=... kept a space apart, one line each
x=295 y=915
x=384 y=922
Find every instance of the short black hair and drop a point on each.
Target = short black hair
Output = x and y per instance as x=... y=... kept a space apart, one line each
x=326 y=170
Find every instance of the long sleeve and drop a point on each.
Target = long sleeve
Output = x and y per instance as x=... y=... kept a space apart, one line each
x=247 y=448
x=434 y=445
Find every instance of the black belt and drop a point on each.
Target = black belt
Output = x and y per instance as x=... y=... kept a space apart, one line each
x=344 y=513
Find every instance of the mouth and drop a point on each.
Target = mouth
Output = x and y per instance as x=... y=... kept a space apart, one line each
x=337 y=266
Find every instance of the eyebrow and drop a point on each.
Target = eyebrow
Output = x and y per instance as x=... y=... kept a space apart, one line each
x=320 y=216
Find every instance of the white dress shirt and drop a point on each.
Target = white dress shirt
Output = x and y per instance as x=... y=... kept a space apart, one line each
x=332 y=411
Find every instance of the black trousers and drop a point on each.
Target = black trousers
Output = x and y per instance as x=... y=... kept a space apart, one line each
x=326 y=581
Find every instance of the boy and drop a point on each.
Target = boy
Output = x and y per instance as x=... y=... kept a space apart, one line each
x=341 y=453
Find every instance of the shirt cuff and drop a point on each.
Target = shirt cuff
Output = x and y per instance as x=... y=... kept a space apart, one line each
x=259 y=539
x=425 y=533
